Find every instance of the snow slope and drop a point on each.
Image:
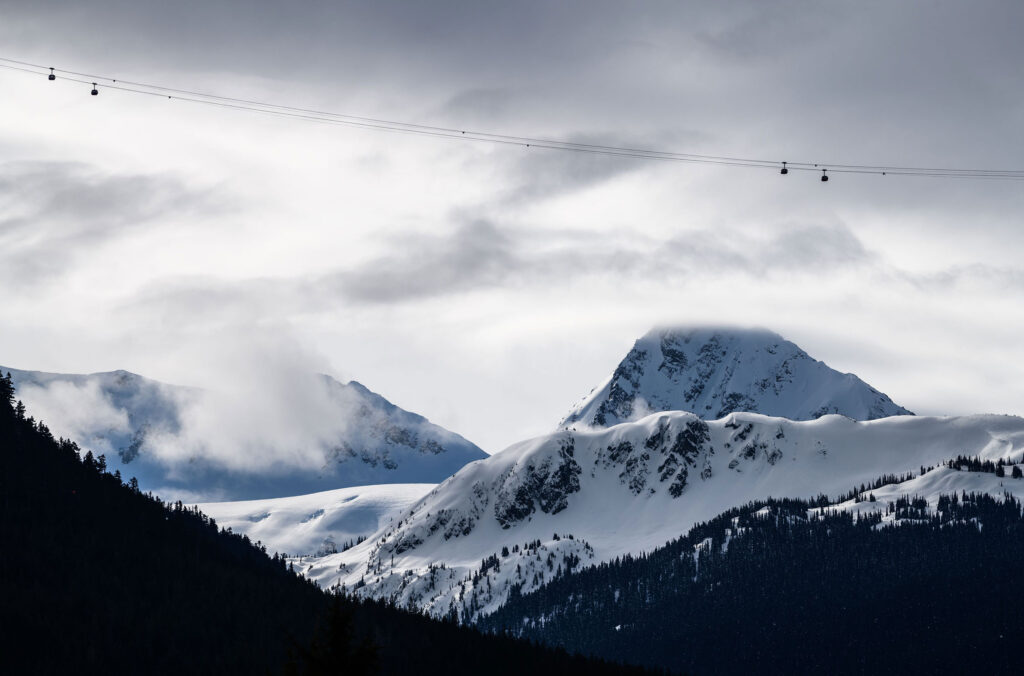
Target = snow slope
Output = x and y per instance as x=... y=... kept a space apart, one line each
x=629 y=488
x=160 y=434
x=317 y=523
x=713 y=372
x=929 y=486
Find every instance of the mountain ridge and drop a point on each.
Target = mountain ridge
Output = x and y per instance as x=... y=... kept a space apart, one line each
x=606 y=492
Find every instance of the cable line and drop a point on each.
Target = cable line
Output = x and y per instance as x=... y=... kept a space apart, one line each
x=393 y=126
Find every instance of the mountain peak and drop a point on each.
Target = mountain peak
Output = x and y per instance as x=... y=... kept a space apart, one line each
x=713 y=371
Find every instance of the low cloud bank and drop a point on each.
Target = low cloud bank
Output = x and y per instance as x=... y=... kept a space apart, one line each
x=79 y=411
x=260 y=406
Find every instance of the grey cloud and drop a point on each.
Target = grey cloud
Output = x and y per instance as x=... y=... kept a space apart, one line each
x=53 y=212
x=212 y=304
x=544 y=173
x=481 y=255
x=877 y=81
x=761 y=31
x=1004 y=279
x=478 y=106
x=476 y=254
x=448 y=47
x=801 y=249
x=817 y=247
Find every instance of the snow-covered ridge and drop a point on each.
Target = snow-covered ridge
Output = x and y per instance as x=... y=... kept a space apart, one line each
x=317 y=523
x=627 y=489
x=323 y=434
x=926 y=489
x=713 y=372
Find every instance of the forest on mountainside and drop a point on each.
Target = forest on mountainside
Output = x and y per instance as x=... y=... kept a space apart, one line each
x=774 y=588
x=98 y=577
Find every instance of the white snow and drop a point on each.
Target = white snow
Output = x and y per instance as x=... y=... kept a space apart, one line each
x=929 y=486
x=306 y=524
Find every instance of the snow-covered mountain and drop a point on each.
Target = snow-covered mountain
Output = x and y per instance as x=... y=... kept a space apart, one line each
x=713 y=372
x=581 y=496
x=319 y=523
x=184 y=443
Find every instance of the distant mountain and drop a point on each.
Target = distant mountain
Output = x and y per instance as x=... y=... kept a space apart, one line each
x=715 y=371
x=126 y=416
x=578 y=497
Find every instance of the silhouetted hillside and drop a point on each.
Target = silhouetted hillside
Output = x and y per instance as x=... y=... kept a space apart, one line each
x=97 y=577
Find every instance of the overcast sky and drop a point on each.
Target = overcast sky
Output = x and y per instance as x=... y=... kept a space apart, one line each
x=488 y=287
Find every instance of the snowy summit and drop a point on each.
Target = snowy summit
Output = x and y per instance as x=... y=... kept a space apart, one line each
x=713 y=372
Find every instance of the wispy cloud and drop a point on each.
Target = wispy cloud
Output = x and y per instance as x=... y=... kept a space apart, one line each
x=52 y=213
x=480 y=254
x=78 y=411
x=262 y=407
x=475 y=254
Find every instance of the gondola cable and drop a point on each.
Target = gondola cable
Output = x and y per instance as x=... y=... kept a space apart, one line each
x=523 y=141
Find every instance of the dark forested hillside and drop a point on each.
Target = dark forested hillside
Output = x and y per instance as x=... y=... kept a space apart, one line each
x=97 y=577
x=766 y=589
